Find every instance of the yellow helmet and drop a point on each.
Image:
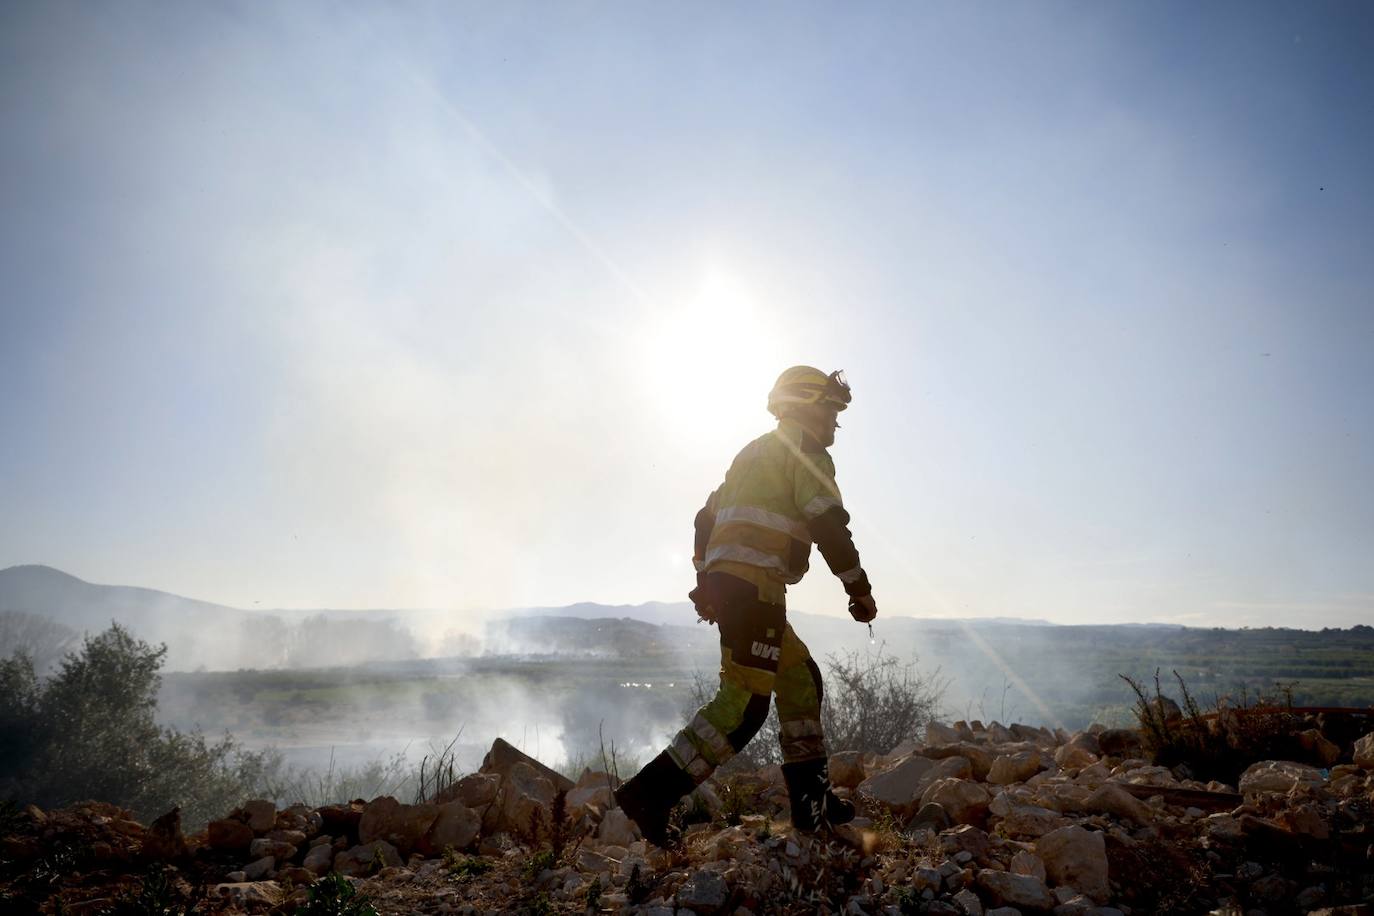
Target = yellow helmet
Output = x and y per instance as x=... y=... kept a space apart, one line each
x=807 y=385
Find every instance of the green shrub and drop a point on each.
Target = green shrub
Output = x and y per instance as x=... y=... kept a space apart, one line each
x=335 y=895
x=89 y=732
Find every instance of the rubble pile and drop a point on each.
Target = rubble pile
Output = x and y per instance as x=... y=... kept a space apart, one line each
x=968 y=819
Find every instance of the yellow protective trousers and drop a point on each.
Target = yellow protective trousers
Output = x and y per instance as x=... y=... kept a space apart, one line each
x=761 y=657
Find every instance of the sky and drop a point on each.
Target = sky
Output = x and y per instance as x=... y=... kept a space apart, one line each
x=469 y=306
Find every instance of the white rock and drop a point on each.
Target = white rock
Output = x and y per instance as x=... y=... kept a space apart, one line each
x=1279 y=776
x=1076 y=857
x=1027 y=863
x=1018 y=767
x=617 y=829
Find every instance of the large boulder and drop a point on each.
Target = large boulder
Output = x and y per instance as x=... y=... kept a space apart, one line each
x=503 y=758
x=456 y=826
x=965 y=801
x=900 y=787
x=1279 y=776
x=1017 y=767
x=580 y=801
x=1017 y=890
x=526 y=799
x=1076 y=858
x=403 y=826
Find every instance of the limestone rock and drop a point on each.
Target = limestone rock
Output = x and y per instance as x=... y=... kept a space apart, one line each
x=979 y=759
x=319 y=859
x=259 y=868
x=900 y=788
x=1030 y=821
x=403 y=826
x=476 y=790
x=1018 y=767
x=1017 y=890
x=1364 y=752
x=969 y=902
x=229 y=835
x=455 y=826
x=260 y=814
x=1280 y=776
x=364 y=859
x=966 y=838
x=1322 y=750
x=1080 y=751
x=578 y=801
x=262 y=846
x=503 y=758
x=1110 y=798
x=1027 y=863
x=937 y=733
x=1076 y=857
x=846 y=769
x=705 y=892
x=526 y=798
x=616 y=829
x=252 y=895
x=965 y=801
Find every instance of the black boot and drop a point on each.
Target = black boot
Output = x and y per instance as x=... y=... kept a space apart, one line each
x=651 y=794
x=814 y=805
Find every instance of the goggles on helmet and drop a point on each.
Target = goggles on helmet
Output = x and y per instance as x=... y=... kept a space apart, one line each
x=836 y=393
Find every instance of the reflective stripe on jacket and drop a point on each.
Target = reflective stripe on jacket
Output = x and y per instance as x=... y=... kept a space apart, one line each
x=778 y=497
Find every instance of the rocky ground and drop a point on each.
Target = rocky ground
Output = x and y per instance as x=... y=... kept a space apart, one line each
x=970 y=820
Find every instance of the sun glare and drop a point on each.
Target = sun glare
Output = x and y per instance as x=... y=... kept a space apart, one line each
x=710 y=361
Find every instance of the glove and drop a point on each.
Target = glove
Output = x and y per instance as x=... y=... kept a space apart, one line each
x=863 y=608
x=701 y=600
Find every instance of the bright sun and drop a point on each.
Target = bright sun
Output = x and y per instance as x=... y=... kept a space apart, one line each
x=711 y=361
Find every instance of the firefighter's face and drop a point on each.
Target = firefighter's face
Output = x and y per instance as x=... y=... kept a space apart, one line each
x=821 y=421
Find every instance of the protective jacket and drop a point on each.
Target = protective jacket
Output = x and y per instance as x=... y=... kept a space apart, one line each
x=779 y=497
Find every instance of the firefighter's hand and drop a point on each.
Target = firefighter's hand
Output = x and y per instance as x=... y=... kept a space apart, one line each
x=701 y=600
x=863 y=609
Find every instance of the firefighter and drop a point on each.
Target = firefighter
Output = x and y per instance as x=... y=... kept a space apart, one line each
x=753 y=539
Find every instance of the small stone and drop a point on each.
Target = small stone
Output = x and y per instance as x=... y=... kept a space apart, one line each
x=704 y=892
x=617 y=829
x=262 y=846
x=969 y=902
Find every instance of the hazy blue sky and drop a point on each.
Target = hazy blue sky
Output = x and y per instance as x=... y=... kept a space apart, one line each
x=469 y=306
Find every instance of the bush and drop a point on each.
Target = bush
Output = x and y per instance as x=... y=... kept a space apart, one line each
x=1219 y=745
x=871 y=702
x=89 y=732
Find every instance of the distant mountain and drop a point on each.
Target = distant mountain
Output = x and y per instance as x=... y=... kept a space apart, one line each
x=82 y=605
x=202 y=634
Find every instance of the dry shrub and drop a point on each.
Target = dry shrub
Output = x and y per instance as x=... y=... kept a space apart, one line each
x=1220 y=745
